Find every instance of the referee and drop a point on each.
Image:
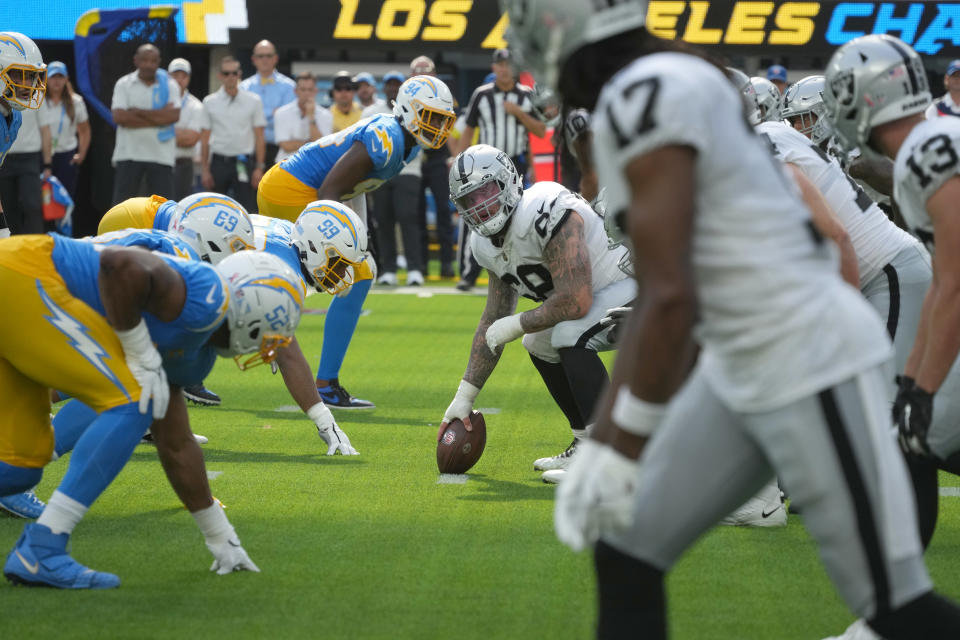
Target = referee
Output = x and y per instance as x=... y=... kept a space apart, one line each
x=501 y=112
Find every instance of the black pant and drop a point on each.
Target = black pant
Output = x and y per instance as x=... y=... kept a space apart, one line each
x=395 y=203
x=271 y=158
x=134 y=178
x=436 y=176
x=65 y=171
x=182 y=178
x=227 y=180
x=21 y=192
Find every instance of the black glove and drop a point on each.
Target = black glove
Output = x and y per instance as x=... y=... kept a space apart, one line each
x=913 y=410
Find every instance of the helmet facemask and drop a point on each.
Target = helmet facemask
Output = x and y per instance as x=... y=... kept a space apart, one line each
x=24 y=86
x=270 y=345
x=433 y=126
x=482 y=205
x=336 y=275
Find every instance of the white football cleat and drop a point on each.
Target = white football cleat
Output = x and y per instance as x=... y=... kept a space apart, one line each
x=859 y=630
x=414 y=279
x=389 y=279
x=559 y=461
x=766 y=509
x=554 y=476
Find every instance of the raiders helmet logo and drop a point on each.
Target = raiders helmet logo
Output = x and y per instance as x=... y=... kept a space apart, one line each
x=843 y=88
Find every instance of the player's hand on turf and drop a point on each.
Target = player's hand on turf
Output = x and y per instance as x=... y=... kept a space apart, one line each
x=912 y=413
x=337 y=441
x=460 y=407
x=503 y=331
x=596 y=495
x=146 y=365
x=230 y=556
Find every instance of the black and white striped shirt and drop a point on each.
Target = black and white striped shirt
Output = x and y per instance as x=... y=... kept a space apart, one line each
x=485 y=112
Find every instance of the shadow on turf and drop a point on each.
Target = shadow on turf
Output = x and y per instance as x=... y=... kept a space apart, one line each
x=494 y=490
x=347 y=417
x=226 y=455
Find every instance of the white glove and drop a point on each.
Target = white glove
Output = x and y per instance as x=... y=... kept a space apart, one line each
x=503 y=331
x=222 y=541
x=615 y=315
x=146 y=365
x=461 y=406
x=596 y=495
x=330 y=432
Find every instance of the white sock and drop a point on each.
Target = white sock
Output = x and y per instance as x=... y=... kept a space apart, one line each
x=62 y=513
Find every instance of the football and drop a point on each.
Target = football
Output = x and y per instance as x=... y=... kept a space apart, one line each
x=458 y=449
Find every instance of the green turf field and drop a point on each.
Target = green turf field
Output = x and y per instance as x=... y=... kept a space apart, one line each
x=372 y=546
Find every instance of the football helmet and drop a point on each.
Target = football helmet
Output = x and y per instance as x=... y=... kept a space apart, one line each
x=544 y=33
x=332 y=241
x=750 y=104
x=485 y=187
x=23 y=76
x=803 y=105
x=768 y=97
x=870 y=81
x=424 y=105
x=546 y=104
x=266 y=297
x=214 y=225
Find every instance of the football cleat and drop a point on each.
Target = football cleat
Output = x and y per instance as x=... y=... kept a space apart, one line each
x=336 y=397
x=766 y=509
x=414 y=279
x=464 y=285
x=199 y=394
x=148 y=438
x=40 y=559
x=23 y=505
x=554 y=476
x=859 y=630
x=559 y=461
x=388 y=278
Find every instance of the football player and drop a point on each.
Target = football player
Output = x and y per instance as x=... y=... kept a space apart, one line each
x=875 y=96
x=23 y=84
x=790 y=378
x=325 y=246
x=111 y=326
x=546 y=244
x=343 y=167
x=768 y=97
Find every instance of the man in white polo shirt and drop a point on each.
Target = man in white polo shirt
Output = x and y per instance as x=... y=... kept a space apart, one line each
x=188 y=129
x=145 y=106
x=20 y=181
x=301 y=121
x=233 y=147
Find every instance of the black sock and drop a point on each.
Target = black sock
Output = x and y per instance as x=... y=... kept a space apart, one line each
x=586 y=377
x=632 y=600
x=923 y=474
x=931 y=617
x=556 y=381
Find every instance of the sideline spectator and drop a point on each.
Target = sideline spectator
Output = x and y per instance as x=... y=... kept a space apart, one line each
x=345 y=111
x=272 y=87
x=395 y=203
x=949 y=104
x=20 y=182
x=367 y=91
x=777 y=74
x=301 y=121
x=501 y=112
x=145 y=108
x=66 y=114
x=188 y=129
x=435 y=177
x=232 y=135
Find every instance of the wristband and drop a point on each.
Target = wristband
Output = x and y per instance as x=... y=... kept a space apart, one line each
x=636 y=416
x=261 y=165
x=213 y=522
x=467 y=391
x=136 y=341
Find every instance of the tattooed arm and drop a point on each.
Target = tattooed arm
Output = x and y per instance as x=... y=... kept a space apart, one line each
x=568 y=261
x=501 y=301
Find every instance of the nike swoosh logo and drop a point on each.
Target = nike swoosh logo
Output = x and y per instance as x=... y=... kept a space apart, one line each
x=765 y=514
x=234 y=544
x=32 y=568
x=210 y=298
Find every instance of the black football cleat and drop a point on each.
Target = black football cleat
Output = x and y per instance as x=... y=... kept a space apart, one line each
x=336 y=397
x=199 y=394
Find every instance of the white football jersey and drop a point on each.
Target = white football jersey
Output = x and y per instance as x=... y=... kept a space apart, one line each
x=776 y=322
x=874 y=237
x=538 y=216
x=926 y=160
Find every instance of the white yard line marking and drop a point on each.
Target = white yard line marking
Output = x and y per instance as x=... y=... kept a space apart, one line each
x=452 y=478
x=213 y=475
x=950 y=492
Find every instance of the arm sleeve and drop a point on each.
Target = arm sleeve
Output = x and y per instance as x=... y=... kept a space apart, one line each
x=378 y=142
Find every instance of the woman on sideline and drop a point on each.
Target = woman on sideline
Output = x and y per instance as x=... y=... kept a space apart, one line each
x=66 y=114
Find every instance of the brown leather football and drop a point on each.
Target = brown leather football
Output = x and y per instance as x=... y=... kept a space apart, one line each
x=459 y=449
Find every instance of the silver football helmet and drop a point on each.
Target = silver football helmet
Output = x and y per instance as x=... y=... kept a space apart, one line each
x=546 y=104
x=803 y=108
x=768 y=97
x=750 y=103
x=485 y=187
x=544 y=33
x=870 y=81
